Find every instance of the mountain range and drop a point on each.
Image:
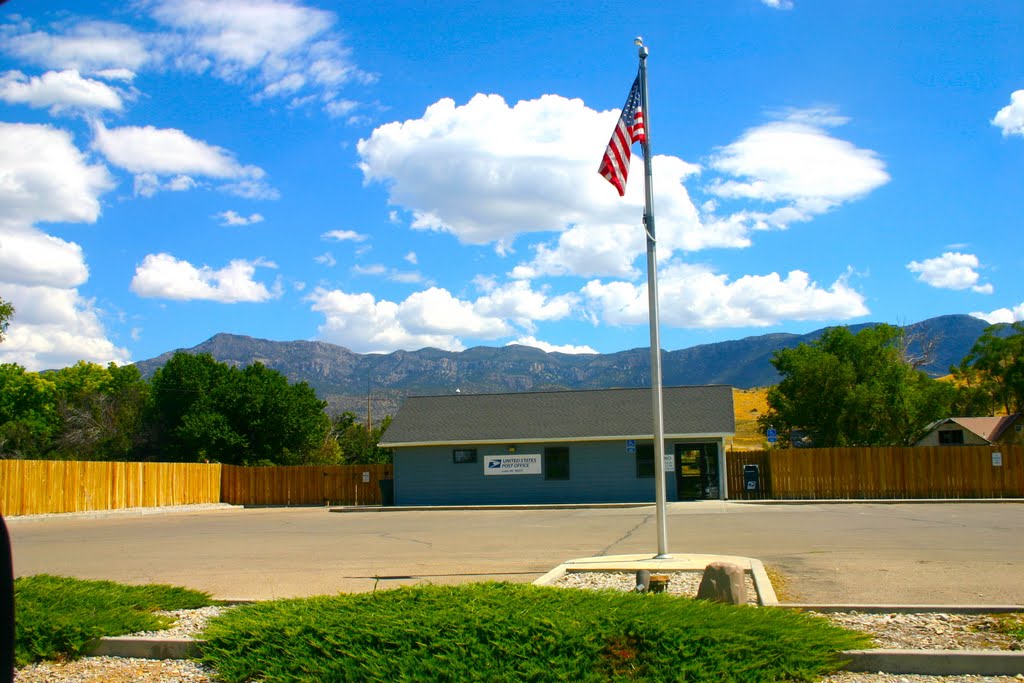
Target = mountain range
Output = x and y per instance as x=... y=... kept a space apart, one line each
x=377 y=383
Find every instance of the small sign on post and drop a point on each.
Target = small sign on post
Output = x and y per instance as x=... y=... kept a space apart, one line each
x=631 y=445
x=772 y=435
x=997 y=459
x=670 y=462
x=366 y=477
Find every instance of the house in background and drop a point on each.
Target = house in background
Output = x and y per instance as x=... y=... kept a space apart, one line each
x=975 y=431
x=559 y=446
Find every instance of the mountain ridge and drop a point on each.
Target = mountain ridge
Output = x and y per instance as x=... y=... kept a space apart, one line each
x=345 y=378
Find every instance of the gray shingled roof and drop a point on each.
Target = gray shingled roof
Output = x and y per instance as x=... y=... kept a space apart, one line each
x=559 y=416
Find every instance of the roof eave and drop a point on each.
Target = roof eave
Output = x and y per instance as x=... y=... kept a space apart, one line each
x=574 y=439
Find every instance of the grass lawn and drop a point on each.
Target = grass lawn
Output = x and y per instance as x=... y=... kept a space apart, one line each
x=56 y=616
x=502 y=633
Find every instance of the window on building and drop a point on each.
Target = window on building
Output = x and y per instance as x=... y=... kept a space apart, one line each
x=952 y=437
x=556 y=463
x=462 y=456
x=645 y=461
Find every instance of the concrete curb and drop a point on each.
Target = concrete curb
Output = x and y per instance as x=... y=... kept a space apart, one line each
x=631 y=563
x=936 y=662
x=906 y=609
x=762 y=584
x=439 y=508
x=144 y=648
x=876 y=501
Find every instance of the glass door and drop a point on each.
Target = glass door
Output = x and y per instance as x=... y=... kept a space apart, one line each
x=696 y=471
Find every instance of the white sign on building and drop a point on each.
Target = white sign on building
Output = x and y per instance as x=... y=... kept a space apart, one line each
x=512 y=464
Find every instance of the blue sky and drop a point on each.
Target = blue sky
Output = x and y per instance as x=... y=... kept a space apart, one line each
x=396 y=175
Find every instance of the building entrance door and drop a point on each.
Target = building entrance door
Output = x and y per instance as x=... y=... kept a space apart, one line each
x=697 y=471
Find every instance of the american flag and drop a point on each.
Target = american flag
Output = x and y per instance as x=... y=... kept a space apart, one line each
x=630 y=129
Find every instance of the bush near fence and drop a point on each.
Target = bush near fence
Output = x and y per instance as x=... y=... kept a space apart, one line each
x=891 y=472
x=49 y=486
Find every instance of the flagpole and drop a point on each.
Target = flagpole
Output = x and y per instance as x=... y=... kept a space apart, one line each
x=652 y=305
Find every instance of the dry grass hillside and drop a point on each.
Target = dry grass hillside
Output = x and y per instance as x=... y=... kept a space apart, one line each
x=748 y=405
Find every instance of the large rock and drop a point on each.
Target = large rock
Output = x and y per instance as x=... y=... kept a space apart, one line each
x=723 y=582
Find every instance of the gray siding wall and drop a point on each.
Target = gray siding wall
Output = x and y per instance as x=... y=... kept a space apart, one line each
x=599 y=472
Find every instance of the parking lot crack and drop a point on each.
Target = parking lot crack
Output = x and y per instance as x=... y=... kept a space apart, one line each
x=626 y=536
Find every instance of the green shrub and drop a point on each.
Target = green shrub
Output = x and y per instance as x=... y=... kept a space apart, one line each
x=497 y=632
x=56 y=616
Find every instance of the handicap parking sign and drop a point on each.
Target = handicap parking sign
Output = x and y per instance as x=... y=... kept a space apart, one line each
x=631 y=445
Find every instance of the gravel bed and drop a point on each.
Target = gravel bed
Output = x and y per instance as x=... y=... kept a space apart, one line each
x=115 y=670
x=189 y=622
x=679 y=583
x=849 y=677
x=929 y=630
x=914 y=631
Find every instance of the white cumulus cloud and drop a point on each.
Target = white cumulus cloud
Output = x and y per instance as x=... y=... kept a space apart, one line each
x=551 y=348
x=54 y=327
x=1011 y=117
x=344 y=236
x=694 y=296
x=31 y=257
x=952 y=270
x=88 y=47
x=1002 y=315
x=58 y=90
x=165 y=277
x=365 y=325
x=488 y=172
x=44 y=177
x=778 y=4
x=234 y=218
x=283 y=47
x=152 y=153
x=796 y=162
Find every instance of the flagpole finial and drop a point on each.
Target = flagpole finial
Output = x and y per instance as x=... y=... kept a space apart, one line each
x=639 y=42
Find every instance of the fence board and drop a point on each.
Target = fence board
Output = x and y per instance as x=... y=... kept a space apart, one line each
x=897 y=472
x=43 y=486
x=303 y=485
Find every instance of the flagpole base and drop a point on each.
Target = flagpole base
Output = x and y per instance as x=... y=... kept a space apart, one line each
x=665 y=556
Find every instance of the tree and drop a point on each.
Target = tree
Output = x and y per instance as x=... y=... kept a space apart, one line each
x=6 y=313
x=181 y=395
x=359 y=444
x=994 y=369
x=205 y=410
x=100 y=410
x=28 y=420
x=850 y=389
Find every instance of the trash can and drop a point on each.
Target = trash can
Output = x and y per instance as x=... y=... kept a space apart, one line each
x=751 y=478
x=387 y=491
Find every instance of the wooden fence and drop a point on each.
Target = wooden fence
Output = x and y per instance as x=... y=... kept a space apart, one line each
x=909 y=472
x=29 y=487
x=304 y=485
x=39 y=486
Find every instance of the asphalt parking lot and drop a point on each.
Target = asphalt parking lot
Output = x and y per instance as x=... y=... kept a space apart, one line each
x=961 y=553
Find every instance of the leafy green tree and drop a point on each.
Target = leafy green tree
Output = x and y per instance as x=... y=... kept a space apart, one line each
x=182 y=388
x=206 y=410
x=6 y=313
x=28 y=419
x=994 y=370
x=849 y=389
x=100 y=410
x=359 y=444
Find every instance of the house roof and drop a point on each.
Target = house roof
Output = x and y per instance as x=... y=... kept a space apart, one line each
x=988 y=428
x=560 y=416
